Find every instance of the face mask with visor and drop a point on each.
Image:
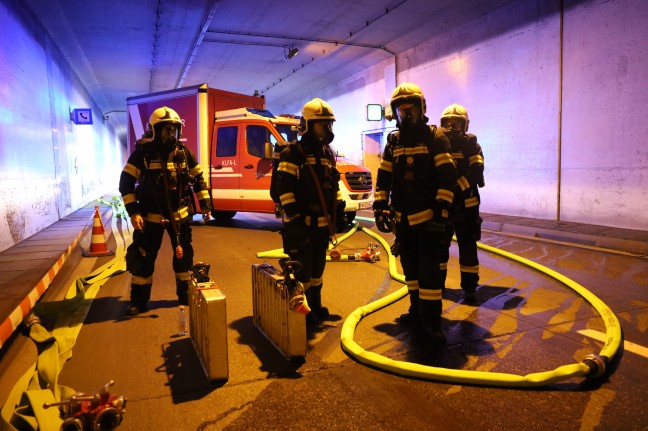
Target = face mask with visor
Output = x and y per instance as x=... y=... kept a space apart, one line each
x=408 y=113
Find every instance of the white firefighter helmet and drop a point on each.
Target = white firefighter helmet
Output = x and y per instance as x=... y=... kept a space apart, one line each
x=407 y=91
x=314 y=110
x=165 y=115
x=455 y=111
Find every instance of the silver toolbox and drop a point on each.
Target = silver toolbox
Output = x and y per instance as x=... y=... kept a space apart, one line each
x=208 y=327
x=284 y=328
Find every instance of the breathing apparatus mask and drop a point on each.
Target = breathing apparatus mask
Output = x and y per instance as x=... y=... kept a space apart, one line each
x=168 y=135
x=454 y=126
x=323 y=131
x=408 y=113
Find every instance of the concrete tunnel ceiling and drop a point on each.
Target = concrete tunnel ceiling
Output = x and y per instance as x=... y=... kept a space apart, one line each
x=121 y=48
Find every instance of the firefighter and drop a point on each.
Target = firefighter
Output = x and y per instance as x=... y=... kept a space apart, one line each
x=156 y=185
x=307 y=185
x=414 y=192
x=465 y=221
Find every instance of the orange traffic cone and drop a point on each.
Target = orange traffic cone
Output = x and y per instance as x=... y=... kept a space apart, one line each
x=98 y=245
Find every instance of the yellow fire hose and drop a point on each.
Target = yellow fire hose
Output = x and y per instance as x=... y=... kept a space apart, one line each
x=279 y=254
x=24 y=408
x=593 y=365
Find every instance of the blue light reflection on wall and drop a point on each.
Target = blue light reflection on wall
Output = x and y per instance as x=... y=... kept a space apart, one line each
x=48 y=166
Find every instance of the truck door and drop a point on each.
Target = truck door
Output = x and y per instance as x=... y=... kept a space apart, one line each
x=256 y=171
x=226 y=169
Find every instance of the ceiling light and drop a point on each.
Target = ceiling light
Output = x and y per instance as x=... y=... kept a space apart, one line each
x=290 y=52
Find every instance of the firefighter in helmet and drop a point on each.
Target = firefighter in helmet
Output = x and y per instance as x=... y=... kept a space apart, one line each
x=414 y=191
x=156 y=185
x=312 y=207
x=465 y=222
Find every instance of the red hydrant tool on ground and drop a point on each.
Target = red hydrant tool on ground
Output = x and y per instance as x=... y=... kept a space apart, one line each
x=370 y=254
x=98 y=412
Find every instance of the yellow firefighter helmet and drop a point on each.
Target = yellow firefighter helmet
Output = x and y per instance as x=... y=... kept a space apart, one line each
x=165 y=115
x=407 y=91
x=455 y=111
x=314 y=110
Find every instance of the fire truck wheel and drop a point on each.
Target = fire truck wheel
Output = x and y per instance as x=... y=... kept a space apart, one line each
x=349 y=217
x=223 y=215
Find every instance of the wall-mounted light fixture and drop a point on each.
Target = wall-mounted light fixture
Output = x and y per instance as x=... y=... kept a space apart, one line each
x=374 y=112
x=290 y=52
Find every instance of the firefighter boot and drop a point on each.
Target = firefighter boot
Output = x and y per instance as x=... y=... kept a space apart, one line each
x=430 y=321
x=139 y=297
x=182 y=291
x=315 y=303
x=311 y=318
x=412 y=315
x=469 y=281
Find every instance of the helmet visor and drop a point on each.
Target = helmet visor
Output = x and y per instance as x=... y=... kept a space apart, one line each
x=169 y=131
x=454 y=124
x=408 y=112
x=323 y=131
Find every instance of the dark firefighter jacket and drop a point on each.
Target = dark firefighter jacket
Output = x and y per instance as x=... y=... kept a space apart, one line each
x=144 y=189
x=415 y=175
x=296 y=186
x=469 y=159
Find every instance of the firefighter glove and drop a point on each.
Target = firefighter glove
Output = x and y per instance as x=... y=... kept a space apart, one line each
x=383 y=220
x=380 y=205
x=395 y=248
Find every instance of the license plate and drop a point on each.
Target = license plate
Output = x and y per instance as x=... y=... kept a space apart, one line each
x=364 y=205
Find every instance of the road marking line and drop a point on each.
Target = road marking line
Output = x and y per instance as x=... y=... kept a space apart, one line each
x=627 y=345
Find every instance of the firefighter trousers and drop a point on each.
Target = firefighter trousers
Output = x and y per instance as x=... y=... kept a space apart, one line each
x=421 y=253
x=467 y=228
x=312 y=256
x=142 y=254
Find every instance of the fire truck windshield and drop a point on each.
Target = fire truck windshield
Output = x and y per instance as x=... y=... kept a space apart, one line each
x=286 y=132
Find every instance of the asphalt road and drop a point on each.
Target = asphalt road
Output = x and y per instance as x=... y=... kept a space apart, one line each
x=524 y=322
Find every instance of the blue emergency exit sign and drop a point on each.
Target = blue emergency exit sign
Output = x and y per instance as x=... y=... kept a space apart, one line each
x=82 y=116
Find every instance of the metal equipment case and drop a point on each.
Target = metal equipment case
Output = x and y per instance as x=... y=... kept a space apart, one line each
x=284 y=328
x=208 y=327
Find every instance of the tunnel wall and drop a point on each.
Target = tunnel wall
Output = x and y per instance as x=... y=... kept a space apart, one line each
x=559 y=114
x=49 y=167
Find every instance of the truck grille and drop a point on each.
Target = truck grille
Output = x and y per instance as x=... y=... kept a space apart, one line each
x=359 y=196
x=358 y=180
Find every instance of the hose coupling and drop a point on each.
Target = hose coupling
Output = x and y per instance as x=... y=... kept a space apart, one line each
x=596 y=364
x=30 y=320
